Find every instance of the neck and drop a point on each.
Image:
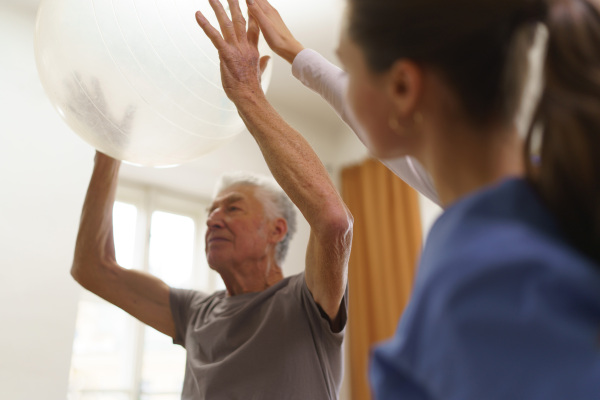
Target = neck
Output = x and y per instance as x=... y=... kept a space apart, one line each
x=251 y=277
x=464 y=160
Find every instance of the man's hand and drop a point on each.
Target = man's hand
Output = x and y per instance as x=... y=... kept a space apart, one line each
x=276 y=33
x=241 y=65
x=88 y=103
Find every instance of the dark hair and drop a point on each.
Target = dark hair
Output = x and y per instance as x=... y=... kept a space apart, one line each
x=568 y=177
x=468 y=41
x=475 y=45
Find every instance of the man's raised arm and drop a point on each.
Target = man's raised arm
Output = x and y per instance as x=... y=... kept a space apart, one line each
x=290 y=158
x=95 y=266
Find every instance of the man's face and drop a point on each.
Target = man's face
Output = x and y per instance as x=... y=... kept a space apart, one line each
x=237 y=229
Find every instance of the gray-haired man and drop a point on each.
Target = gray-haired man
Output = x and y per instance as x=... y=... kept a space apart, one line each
x=266 y=336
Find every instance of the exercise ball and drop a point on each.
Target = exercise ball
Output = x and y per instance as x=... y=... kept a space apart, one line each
x=137 y=79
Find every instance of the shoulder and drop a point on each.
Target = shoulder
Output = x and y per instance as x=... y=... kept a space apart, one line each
x=297 y=286
x=291 y=286
x=501 y=253
x=287 y=290
x=192 y=299
x=483 y=226
x=500 y=294
x=502 y=236
x=298 y=289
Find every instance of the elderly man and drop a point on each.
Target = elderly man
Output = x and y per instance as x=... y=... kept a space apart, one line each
x=266 y=336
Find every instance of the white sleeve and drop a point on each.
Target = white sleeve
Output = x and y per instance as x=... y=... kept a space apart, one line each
x=330 y=82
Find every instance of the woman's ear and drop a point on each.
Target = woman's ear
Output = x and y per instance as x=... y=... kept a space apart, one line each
x=404 y=87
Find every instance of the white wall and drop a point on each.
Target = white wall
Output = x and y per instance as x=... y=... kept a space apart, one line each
x=43 y=171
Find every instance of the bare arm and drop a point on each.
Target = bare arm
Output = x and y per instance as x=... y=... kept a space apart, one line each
x=95 y=267
x=290 y=158
x=301 y=174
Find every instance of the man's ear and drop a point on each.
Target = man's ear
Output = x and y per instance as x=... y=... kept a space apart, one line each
x=404 y=87
x=278 y=230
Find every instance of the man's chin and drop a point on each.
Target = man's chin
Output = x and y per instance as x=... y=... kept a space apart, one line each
x=215 y=262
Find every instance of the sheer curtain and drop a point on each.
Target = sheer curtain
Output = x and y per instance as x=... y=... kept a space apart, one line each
x=386 y=245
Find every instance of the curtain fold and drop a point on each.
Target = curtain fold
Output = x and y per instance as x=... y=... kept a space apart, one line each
x=385 y=247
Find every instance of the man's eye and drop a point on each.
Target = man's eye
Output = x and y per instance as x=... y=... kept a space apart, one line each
x=233 y=208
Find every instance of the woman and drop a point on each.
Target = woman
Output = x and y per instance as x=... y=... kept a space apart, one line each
x=507 y=299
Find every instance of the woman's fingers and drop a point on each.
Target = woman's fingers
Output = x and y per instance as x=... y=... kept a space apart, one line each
x=266 y=25
x=254 y=8
x=275 y=31
x=265 y=5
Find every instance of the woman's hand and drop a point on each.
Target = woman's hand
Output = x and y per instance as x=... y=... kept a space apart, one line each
x=241 y=65
x=276 y=33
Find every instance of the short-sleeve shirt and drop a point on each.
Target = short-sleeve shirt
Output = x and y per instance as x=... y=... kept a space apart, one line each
x=503 y=308
x=275 y=344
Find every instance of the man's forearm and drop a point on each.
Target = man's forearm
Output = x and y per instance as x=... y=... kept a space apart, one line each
x=301 y=174
x=94 y=241
x=293 y=163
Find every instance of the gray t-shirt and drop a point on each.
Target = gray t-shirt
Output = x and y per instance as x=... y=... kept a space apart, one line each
x=276 y=344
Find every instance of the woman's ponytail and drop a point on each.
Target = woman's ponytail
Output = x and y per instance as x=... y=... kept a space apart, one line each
x=568 y=173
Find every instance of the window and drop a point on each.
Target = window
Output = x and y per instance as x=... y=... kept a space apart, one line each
x=115 y=356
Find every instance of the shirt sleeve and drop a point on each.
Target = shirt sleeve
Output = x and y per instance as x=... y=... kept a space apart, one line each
x=330 y=82
x=317 y=314
x=182 y=309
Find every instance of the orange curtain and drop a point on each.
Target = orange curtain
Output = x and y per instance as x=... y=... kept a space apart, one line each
x=385 y=247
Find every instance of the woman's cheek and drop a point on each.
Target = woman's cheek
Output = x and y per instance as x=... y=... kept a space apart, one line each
x=372 y=113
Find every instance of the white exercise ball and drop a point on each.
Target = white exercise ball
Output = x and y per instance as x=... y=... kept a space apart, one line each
x=137 y=79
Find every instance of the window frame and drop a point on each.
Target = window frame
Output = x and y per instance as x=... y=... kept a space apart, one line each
x=149 y=199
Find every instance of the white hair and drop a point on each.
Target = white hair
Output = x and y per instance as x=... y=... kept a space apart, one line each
x=276 y=203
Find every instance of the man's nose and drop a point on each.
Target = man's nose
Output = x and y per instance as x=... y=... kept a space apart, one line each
x=215 y=219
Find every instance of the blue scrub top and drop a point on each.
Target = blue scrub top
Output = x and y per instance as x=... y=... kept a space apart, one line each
x=502 y=308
